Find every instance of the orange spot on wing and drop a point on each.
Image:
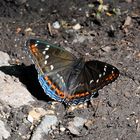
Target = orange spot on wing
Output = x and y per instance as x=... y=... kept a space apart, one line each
x=58 y=92
x=111 y=77
x=62 y=94
x=78 y=95
x=34 y=49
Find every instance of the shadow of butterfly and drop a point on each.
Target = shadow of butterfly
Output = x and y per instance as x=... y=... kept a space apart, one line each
x=66 y=78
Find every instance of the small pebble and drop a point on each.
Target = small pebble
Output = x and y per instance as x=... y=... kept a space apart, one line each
x=128 y=21
x=36 y=114
x=78 y=121
x=62 y=128
x=137 y=120
x=28 y=30
x=30 y=119
x=89 y=123
x=106 y=49
x=77 y=26
x=73 y=129
x=56 y=25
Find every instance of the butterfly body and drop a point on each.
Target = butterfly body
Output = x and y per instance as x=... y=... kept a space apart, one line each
x=66 y=78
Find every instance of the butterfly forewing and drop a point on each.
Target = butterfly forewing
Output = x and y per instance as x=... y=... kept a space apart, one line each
x=51 y=62
x=49 y=58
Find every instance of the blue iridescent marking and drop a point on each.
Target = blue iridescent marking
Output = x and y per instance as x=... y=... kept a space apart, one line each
x=47 y=89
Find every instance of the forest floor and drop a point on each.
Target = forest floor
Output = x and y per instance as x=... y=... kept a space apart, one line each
x=105 y=30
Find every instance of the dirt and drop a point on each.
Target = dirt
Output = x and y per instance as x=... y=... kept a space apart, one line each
x=112 y=36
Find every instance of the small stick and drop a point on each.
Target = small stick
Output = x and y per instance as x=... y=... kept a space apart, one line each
x=49 y=28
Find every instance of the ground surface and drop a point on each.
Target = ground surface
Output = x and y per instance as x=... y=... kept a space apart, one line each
x=115 y=113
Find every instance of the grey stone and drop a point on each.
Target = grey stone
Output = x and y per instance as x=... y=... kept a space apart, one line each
x=4 y=133
x=78 y=121
x=74 y=127
x=45 y=126
x=74 y=130
x=82 y=38
x=12 y=92
x=4 y=58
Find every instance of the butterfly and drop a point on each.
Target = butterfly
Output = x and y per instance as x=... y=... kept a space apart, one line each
x=66 y=78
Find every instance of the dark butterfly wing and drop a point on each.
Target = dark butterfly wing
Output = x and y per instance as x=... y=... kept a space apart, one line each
x=101 y=73
x=93 y=76
x=66 y=78
x=50 y=62
x=49 y=58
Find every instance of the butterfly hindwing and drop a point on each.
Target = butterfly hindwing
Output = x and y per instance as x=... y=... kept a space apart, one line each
x=92 y=76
